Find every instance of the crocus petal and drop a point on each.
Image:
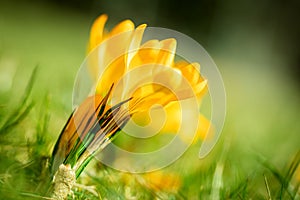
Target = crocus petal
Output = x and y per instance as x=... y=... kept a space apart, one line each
x=111 y=56
x=192 y=75
x=205 y=128
x=96 y=34
x=119 y=40
x=124 y=26
x=174 y=119
x=111 y=75
x=167 y=52
x=133 y=47
x=147 y=54
x=135 y=43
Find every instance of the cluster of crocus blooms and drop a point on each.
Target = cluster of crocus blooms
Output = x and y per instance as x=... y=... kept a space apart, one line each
x=95 y=122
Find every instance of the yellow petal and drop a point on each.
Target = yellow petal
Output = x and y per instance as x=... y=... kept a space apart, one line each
x=112 y=74
x=204 y=131
x=173 y=119
x=124 y=26
x=135 y=43
x=192 y=75
x=173 y=123
x=132 y=49
x=112 y=54
x=119 y=39
x=155 y=52
x=96 y=34
x=167 y=52
x=147 y=54
x=145 y=97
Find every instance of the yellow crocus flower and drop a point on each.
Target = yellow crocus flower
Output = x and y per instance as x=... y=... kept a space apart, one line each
x=95 y=122
x=152 y=52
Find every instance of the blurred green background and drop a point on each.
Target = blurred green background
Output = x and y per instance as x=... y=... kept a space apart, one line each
x=255 y=44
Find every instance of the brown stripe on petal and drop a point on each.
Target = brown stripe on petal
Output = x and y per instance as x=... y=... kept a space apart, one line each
x=88 y=130
x=78 y=125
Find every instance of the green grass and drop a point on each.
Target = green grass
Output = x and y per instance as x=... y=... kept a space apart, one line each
x=256 y=158
x=24 y=165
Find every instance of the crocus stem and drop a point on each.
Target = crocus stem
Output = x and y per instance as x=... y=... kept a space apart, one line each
x=64 y=179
